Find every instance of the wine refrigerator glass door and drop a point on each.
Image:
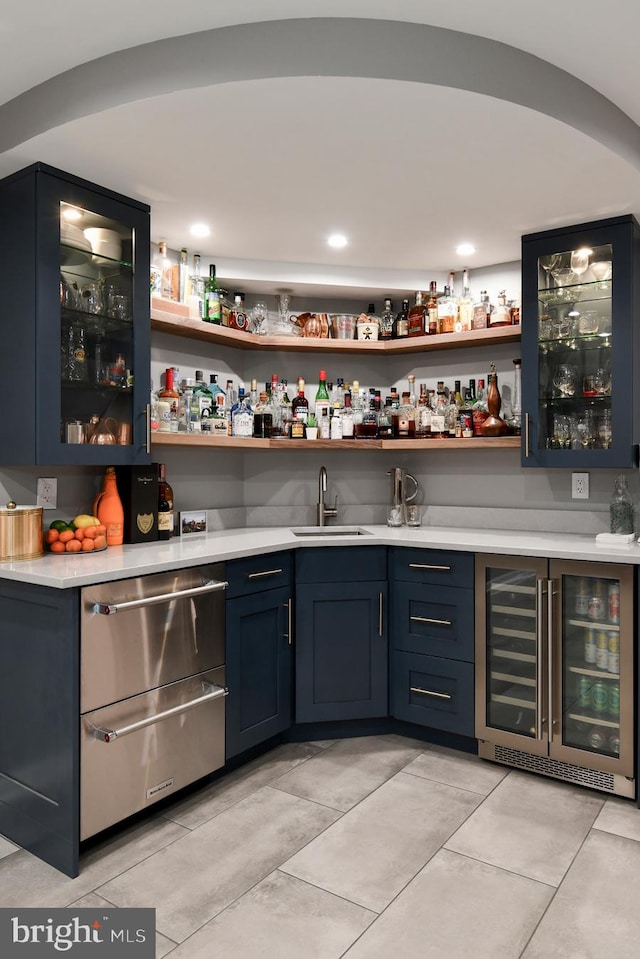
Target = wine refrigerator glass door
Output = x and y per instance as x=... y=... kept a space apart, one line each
x=511 y=652
x=592 y=698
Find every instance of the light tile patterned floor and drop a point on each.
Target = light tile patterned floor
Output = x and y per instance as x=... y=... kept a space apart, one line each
x=373 y=848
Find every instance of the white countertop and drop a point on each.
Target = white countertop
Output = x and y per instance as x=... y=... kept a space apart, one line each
x=119 y=562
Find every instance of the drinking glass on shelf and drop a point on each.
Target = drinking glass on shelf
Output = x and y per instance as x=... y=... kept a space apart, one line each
x=561 y=431
x=602 y=382
x=549 y=263
x=580 y=261
x=587 y=430
x=588 y=322
x=605 y=430
x=258 y=321
x=564 y=380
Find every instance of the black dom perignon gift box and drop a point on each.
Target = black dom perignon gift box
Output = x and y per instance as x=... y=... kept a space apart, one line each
x=138 y=489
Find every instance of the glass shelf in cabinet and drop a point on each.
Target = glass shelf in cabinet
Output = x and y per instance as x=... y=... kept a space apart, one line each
x=75 y=256
x=580 y=342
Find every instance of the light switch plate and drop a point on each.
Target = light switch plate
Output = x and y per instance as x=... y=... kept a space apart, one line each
x=47 y=492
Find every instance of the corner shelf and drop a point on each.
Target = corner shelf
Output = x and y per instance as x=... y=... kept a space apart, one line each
x=240 y=443
x=168 y=322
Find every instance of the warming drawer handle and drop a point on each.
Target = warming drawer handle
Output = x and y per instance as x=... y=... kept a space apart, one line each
x=110 y=735
x=426 y=619
x=266 y=572
x=446 y=569
x=429 y=692
x=107 y=609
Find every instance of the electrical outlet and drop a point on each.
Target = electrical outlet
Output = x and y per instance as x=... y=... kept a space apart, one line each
x=47 y=495
x=580 y=486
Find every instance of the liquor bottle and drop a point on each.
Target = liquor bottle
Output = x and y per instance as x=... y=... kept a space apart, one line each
x=242 y=416
x=418 y=317
x=162 y=273
x=324 y=425
x=501 y=316
x=465 y=305
x=165 y=504
x=238 y=319
x=108 y=508
x=195 y=297
x=481 y=310
x=168 y=400
x=451 y=420
x=406 y=419
x=457 y=395
x=262 y=417
x=206 y=402
x=212 y=298
x=323 y=400
x=433 y=326
x=75 y=366
x=480 y=409
x=299 y=411
x=423 y=414
x=336 y=423
x=448 y=309
x=187 y=406
x=183 y=276
x=386 y=321
x=439 y=413
x=401 y=323
x=621 y=508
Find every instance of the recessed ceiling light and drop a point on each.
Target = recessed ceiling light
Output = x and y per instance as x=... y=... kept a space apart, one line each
x=337 y=240
x=465 y=249
x=199 y=229
x=71 y=213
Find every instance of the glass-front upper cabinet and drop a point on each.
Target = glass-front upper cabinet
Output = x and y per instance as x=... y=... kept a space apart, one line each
x=579 y=346
x=75 y=314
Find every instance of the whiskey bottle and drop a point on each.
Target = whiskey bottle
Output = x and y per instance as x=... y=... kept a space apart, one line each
x=401 y=324
x=448 y=309
x=481 y=310
x=386 y=321
x=418 y=317
x=501 y=316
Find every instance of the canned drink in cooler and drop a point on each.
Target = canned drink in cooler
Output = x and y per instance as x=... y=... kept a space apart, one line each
x=597 y=738
x=590 y=647
x=602 y=650
x=614 y=603
x=584 y=692
x=599 y=697
x=613 y=665
x=613 y=744
x=614 y=700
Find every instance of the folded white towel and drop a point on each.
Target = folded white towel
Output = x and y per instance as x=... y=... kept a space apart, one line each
x=615 y=539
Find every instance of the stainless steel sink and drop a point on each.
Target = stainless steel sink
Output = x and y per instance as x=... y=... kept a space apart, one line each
x=329 y=531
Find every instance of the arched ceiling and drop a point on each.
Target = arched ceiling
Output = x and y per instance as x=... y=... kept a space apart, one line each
x=406 y=136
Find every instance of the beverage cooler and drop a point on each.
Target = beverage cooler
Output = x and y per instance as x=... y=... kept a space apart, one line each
x=554 y=669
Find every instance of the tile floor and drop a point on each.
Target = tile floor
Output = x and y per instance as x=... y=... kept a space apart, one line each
x=371 y=848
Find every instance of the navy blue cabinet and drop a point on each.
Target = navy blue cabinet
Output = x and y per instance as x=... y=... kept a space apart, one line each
x=432 y=639
x=258 y=651
x=75 y=297
x=341 y=634
x=581 y=346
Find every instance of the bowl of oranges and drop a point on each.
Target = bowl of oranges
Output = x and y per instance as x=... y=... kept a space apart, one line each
x=83 y=534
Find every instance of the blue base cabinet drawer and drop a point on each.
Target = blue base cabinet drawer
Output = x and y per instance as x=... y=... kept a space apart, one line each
x=433 y=620
x=254 y=574
x=439 y=567
x=433 y=692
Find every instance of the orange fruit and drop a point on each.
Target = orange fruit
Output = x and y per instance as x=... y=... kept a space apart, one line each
x=73 y=546
x=51 y=536
x=100 y=541
x=88 y=545
x=57 y=547
x=100 y=530
x=66 y=535
x=79 y=535
x=89 y=532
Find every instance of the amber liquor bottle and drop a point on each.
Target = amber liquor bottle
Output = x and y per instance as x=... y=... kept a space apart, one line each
x=418 y=317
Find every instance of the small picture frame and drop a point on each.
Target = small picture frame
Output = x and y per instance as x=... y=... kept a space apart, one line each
x=193 y=523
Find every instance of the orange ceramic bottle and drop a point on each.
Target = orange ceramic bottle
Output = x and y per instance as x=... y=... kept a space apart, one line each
x=108 y=508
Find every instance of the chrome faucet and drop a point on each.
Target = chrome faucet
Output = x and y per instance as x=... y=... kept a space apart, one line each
x=321 y=510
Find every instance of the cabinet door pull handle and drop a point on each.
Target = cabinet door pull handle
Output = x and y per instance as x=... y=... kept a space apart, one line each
x=426 y=619
x=430 y=692
x=288 y=635
x=148 y=424
x=551 y=653
x=108 y=609
x=446 y=569
x=527 y=450
x=540 y=593
x=266 y=572
x=380 y=614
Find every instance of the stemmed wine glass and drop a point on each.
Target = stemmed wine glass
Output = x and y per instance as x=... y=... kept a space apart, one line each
x=580 y=260
x=550 y=263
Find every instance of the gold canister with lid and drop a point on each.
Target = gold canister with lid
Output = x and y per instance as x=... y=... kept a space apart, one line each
x=20 y=532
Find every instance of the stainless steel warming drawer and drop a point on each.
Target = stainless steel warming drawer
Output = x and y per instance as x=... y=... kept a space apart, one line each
x=152 y=690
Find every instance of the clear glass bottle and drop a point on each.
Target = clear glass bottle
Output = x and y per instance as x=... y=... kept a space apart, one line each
x=242 y=416
x=501 y=316
x=448 y=309
x=238 y=319
x=516 y=398
x=621 y=508
x=205 y=400
x=465 y=305
x=183 y=276
x=168 y=400
x=195 y=298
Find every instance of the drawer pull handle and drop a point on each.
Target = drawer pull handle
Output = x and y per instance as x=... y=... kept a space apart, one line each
x=110 y=735
x=108 y=609
x=426 y=619
x=430 y=692
x=445 y=569
x=266 y=572
x=289 y=634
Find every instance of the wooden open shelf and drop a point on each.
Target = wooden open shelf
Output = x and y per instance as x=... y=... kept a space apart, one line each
x=236 y=442
x=166 y=322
